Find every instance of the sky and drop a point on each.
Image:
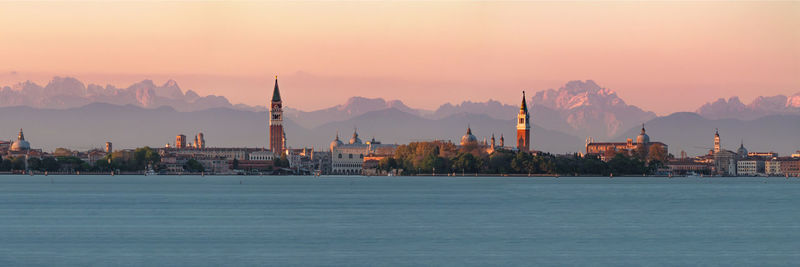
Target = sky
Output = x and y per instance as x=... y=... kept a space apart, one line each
x=661 y=56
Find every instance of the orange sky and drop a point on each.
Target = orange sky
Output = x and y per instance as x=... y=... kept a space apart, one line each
x=661 y=56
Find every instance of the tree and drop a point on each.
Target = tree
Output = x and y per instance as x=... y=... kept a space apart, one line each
x=500 y=162
x=145 y=156
x=5 y=165
x=50 y=164
x=70 y=163
x=193 y=165
x=387 y=164
x=283 y=161
x=34 y=164
x=522 y=162
x=18 y=163
x=657 y=153
x=621 y=164
x=235 y=163
x=466 y=162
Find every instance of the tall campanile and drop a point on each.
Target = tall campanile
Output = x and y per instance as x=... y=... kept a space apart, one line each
x=523 y=127
x=276 y=121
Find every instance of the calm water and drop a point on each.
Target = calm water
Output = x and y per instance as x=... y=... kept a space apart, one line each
x=169 y=220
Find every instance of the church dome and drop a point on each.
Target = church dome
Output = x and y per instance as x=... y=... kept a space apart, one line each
x=643 y=138
x=355 y=139
x=336 y=142
x=742 y=151
x=20 y=144
x=468 y=138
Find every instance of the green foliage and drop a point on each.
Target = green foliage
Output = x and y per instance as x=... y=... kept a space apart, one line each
x=466 y=162
x=50 y=164
x=622 y=164
x=422 y=157
x=145 y=156
x=34 y=164
x=500 y=162
x=193 y=165
x=282 y=162
x=70 y=163
x=235 y=163
x=387 y=164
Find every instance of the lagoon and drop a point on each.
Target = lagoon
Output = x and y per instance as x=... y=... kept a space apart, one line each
x=408 y=221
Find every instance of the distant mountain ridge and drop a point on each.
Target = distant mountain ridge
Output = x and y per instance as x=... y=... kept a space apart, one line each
x=577 y=110
x=694 y=134
x=68 y=92
x=131 y=126
x=759 y=107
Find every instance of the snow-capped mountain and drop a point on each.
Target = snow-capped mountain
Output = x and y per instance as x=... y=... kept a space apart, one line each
x=586 y=109
x=68 y=92
x=733 y=108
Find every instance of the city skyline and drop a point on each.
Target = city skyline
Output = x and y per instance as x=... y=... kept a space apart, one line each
x=330 y=51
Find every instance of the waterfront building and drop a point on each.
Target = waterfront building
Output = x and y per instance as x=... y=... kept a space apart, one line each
x=349 y=158
x=523 y=127
x=790 y=167
x=92 y=156
x=180 y=141
x=773 y=167
x=276 y=134
x=796 y=155
x=780 y=166
x=687 y=165
x=725 y=162
x=607 y=150
x=261 y=155
x=321 y=161
x=750 y=166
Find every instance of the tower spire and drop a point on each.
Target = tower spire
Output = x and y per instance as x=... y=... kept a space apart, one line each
x=276 y=93
x=524 y=105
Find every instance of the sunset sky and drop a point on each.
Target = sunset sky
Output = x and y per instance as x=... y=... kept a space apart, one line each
x=661 y=56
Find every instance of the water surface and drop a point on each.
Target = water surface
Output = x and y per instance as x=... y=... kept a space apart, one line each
x=212 y=221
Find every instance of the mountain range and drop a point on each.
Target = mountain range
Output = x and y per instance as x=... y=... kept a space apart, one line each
x=563 y=118
x=68 y=92
x=733 y=108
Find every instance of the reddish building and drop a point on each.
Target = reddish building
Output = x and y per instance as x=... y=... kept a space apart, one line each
x=276 y=134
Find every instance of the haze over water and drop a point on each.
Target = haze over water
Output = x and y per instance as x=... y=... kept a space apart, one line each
x=191 y=220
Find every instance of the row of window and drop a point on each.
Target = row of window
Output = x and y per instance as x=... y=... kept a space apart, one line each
x=361 y=156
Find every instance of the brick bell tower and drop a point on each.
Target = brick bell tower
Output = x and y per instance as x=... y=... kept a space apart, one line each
x=523 y=127
x=276 y=121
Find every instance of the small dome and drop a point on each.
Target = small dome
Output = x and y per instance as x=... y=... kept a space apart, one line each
x=355 y=139
x=468 y=138
x=643 y=138
x=742 y=151
x=336 y=142
x=20 y=144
